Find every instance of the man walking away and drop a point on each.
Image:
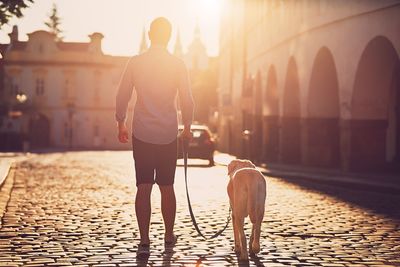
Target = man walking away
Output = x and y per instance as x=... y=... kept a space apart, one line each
x=158 y=78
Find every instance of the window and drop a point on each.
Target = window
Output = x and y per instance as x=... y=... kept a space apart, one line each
x=96 y=94
x=66 y=88
x=96 y=85
x=66 y=128
x=40 y=86
x=96 y=130
x=69 y=83
x=13 y=86
x=14 y=89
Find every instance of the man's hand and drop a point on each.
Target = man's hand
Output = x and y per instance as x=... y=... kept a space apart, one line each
x=122 y=133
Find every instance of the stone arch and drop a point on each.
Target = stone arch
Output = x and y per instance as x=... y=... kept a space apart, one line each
x=291 y=91
x=321 y=127
x=271 y=94
x=271 y=117
x=258 y=94
x=290 y=133
x=375 y=123
x=257 y=120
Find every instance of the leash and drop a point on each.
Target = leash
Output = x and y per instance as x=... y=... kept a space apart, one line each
x=185 y=148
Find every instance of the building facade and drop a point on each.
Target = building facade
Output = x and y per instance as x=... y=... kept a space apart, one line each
x=311 y=82
x=69 y=89
x=203 y=71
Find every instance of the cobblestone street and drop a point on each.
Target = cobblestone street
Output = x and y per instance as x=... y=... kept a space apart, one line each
x=77 y=208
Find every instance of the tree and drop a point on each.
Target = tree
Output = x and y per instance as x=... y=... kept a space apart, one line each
x=11 y=8
x=54 y=23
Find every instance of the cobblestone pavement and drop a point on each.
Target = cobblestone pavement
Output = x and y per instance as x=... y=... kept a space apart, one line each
x=77 y=208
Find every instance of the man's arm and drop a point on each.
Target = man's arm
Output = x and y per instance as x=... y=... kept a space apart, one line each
x=122 y=99
x=186 y=101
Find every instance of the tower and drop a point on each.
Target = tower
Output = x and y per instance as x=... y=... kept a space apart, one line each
x=196 y=58
x=14 y=34
x=178 y=46
x=95 y=42
x=143 y=43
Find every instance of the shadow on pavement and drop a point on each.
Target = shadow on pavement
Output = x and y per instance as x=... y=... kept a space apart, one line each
x=253 y=260
x=167 y=256
x=257 y=260
x=380 y=202
x=142 y=262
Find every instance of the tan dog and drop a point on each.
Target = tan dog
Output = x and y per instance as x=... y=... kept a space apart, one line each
x=247 y=193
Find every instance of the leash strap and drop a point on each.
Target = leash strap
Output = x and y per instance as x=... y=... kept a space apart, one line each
x=185 y=148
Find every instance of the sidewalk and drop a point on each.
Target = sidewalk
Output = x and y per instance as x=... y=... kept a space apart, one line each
x=386 y=183
x=5 y=165
x=6 y=160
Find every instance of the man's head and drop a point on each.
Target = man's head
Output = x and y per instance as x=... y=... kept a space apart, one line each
x=160 y=31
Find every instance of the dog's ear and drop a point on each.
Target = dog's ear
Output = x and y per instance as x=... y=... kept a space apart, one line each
x=248 y=164
x=231 y=166
x=251 y=164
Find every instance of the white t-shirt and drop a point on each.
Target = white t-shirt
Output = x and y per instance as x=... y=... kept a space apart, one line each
x=158 y=78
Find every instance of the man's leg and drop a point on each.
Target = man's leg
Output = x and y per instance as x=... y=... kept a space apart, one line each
x=165 y=176
x=168 y=210
x=143 y=211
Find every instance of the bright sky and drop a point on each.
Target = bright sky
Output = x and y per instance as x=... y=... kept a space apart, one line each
x=122 y=21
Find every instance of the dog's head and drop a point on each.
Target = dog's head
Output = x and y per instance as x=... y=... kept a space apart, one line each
x=237 y=164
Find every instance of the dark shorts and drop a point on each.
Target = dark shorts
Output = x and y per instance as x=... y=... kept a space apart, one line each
x=155 y=159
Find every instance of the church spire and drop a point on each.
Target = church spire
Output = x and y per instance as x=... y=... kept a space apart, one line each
x=196 y=57
x=197 y=30
x=178 y=46
x=143 y=43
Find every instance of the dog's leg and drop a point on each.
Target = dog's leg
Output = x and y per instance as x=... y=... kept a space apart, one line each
x=253 y=212
x=240 y=212
x=252 y=239
x=235 y=231
x=236 y=235
x=255 y=245
x=253 y=219
x=244 y=255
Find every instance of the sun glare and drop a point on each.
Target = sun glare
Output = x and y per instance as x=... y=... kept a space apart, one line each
x=208 y=7
x=127 y=19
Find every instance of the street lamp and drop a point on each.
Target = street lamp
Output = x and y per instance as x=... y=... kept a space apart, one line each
x=21 y=98
x=16 y=105
x=71 y=111
x=15 y=114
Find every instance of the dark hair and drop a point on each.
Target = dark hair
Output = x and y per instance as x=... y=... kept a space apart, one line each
x=160 y=30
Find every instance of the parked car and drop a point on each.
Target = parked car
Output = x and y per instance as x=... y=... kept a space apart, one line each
x=202 y=145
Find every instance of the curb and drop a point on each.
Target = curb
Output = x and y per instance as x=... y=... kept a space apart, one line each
x=6 y=185
x=5 y=166
x=330 y=179
x=348 y=182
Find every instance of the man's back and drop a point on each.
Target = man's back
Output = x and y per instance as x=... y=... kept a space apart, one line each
x=157 y=77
